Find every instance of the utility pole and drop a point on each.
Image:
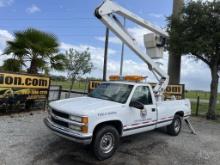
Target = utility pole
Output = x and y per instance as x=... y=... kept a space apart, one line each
x=174 y=64
x=105 y=55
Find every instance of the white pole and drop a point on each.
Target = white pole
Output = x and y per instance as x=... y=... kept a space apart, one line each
x=122 y=54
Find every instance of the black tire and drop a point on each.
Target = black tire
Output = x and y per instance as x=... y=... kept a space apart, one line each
x=175 y=127
x=105 y=142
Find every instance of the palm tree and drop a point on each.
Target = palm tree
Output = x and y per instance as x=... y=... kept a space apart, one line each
x=12 y=64
x=37 y=49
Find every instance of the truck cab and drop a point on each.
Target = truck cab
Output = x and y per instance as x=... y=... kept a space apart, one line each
x=113 y=110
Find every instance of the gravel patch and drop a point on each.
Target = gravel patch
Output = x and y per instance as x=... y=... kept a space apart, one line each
x=25 y=140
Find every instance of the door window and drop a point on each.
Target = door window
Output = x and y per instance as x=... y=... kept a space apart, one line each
x=142 y=94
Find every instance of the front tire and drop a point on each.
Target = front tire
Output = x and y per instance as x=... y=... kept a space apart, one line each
x=175 y=127
x=105 y=142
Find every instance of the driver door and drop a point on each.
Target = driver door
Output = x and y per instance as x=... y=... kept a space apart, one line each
x=142 y=120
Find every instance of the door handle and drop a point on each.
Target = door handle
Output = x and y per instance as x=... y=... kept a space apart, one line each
x=153 y=109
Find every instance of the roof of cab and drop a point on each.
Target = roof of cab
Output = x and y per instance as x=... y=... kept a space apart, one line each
x=127 y=82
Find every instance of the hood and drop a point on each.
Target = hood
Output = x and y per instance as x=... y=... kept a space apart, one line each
x=83 y=105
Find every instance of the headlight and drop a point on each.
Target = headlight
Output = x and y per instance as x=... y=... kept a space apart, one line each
x=79 y=119
x=76 y=118
x=84 y=120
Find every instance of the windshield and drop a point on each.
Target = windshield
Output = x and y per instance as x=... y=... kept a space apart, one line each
x=112 y=92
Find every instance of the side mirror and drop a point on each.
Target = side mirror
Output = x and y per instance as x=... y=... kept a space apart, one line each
x=137 y=105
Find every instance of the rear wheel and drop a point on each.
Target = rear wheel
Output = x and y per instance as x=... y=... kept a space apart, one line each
x=105 y=142
x=175 y=127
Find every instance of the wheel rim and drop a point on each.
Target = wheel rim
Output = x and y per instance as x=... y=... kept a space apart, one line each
x=107 y=143
x=177 y=126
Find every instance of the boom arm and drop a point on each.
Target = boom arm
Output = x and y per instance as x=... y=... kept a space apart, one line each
x=105 y=14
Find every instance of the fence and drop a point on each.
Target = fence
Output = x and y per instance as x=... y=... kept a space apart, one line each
x=200 y=106
x=56 y=93
x=18 y=103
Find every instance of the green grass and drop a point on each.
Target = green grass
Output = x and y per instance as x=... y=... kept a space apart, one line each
x=79 y=86
x=203 y=108
x=195 y=94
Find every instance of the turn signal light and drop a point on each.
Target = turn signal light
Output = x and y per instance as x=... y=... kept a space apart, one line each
x=85 y=120
x=84 y=129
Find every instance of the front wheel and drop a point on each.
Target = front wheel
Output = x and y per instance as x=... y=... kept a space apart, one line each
x=105 y=142
x=175 y=127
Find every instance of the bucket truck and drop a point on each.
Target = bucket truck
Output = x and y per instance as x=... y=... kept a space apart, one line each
x=120 y=108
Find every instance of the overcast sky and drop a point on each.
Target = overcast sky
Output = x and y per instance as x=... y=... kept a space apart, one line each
x=72 y=21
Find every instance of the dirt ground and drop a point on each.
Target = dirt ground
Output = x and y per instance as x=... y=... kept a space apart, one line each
x=25 y=141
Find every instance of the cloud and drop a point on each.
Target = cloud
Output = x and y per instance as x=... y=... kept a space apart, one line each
x=4 y=3
x=136 y=32
x=113 y=40
x=97 y=56
x=82 y=47
x=4 y=37
x=3 y=58
x=192 y=72
x=33 y=9
x=195 y=75
x=130 y=67
x=97 y=53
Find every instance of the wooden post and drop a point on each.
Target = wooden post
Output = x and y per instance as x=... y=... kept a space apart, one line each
x=197 y=106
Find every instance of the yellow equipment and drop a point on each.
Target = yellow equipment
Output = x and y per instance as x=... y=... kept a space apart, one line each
x=135 y=78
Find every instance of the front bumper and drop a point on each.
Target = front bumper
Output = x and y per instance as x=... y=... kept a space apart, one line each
x=63 y=132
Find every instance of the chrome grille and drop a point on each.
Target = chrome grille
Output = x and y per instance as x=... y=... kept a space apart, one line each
x=61 y=123
x=60 y=114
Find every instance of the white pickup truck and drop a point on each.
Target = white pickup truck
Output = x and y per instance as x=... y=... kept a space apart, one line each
x=113 y=110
